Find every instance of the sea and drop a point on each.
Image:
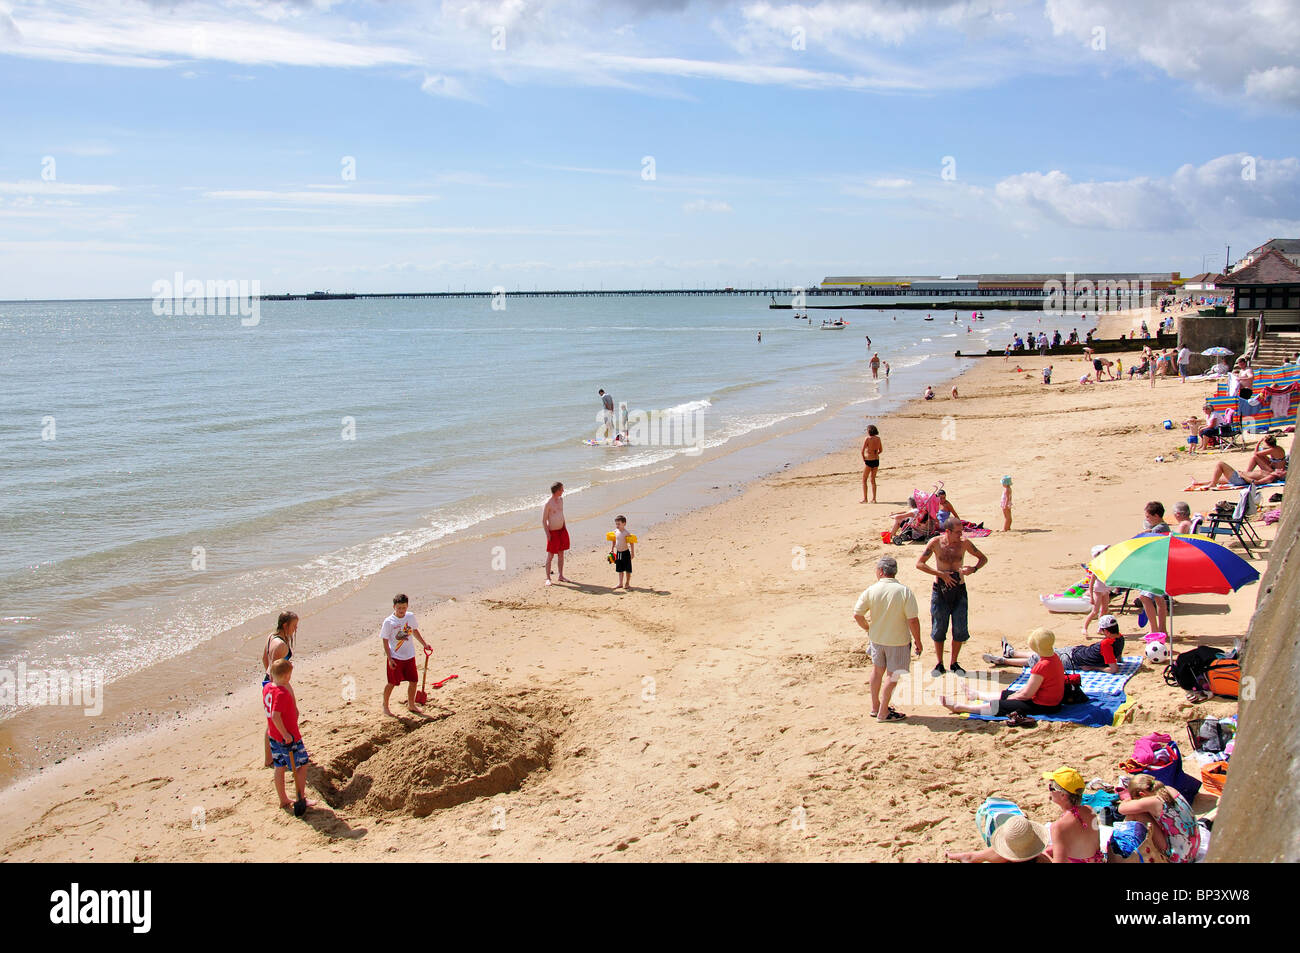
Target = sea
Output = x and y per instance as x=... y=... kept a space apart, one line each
x=164 y=479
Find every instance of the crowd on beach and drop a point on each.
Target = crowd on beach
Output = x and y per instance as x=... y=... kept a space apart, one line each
x=1144 y=817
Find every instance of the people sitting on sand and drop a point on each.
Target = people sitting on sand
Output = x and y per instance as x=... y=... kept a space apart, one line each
x=1182 y=518
x=1076 y=834
x=1105 y=656
x=1140 y=370
x=946 y=510
x=1268 y=455
x=917 y=519
x=1225 y=475
x=1017 y=840
x=929 y=392
x=1041 y=695
x=1171 y=825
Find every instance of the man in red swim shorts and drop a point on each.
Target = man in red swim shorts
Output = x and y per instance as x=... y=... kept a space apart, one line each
x=557 y=534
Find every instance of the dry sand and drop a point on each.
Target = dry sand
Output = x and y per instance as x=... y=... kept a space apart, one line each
x=720 y=710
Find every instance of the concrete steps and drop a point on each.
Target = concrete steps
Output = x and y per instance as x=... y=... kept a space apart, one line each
x=1277 y=347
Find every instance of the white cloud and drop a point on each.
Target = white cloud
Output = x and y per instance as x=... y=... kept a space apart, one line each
x=318 y=198
x=448 y=87
x=1230 y=190
x=41 y=187
x=707 y=205
x=1242 y=50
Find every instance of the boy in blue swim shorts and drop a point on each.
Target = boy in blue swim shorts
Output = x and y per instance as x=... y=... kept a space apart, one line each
x=287 y=749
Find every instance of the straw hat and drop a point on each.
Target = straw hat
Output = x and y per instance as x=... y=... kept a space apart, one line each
x=1019 y=839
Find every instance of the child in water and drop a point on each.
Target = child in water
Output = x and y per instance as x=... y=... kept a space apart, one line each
x=1006 y=503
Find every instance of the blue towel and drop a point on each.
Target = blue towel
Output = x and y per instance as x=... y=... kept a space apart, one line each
x=1105 y=696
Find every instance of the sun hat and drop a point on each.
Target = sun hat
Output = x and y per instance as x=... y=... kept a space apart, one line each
x=1108 y=622
x=1066 y=778
x=1019 y=838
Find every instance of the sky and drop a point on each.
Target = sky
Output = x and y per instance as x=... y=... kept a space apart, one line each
x=398 y=146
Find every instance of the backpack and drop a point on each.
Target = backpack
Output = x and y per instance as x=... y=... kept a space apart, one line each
x=1223 y=676
x=1187 y=671
x=1210 y=735
x=1074 y=694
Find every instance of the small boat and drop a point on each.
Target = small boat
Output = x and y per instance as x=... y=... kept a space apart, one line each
x=927 y=319
x=836 y=325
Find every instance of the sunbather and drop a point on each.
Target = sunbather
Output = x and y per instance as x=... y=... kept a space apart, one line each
x=1268 y=456
x=1076 y=834
x=1041 y=695
x=1171 y=825
x=1017 y=840
x=1103 y=657
x=1224 y=475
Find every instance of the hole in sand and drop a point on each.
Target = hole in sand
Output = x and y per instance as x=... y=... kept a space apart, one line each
x=490 y=743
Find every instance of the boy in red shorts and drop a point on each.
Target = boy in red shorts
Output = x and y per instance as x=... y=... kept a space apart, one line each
x=399 y=634
x=287 y=749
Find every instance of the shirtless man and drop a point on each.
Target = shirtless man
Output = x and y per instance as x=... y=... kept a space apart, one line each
x=557 y=534
x=948 y=597
x=871 y=448
x=875 y=365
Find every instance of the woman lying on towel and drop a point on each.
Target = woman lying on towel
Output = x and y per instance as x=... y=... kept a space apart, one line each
x=1224 y=475
x=1041 y=695
x=1170 y=822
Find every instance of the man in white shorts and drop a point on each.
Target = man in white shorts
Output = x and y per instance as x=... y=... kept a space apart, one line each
x=894 y=614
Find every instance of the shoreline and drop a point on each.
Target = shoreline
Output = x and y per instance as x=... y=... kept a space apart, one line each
x=757 y=692
x=465 y=565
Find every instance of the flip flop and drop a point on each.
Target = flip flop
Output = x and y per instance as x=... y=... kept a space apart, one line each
x=894 y=715
x=1018 y=720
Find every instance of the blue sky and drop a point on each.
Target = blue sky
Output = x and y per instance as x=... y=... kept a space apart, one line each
x=505 y=143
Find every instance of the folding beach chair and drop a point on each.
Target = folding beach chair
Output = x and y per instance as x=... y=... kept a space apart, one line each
x=1230 y=408
x=1238 y=522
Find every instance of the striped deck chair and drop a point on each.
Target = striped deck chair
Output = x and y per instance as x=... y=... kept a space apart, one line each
x=1286 y=375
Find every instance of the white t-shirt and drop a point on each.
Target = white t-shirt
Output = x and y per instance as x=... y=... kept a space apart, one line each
x=620 y=540
x=394 y=629
x=1184 y=356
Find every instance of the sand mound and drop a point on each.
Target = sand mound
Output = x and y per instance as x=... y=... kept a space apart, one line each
x=490 y=743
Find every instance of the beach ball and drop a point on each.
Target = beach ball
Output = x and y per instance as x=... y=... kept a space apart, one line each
x=1157 y=653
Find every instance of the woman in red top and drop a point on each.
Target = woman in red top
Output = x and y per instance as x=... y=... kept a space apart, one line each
x=1041 y=695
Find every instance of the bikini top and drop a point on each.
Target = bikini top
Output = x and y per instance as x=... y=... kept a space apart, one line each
x=1099 y=857
x=287 y=655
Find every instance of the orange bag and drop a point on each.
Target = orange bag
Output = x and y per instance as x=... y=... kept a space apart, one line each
x=1224 y=677
x=1213 y=777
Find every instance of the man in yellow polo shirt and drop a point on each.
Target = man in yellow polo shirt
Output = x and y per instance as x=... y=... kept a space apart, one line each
x=892 y=609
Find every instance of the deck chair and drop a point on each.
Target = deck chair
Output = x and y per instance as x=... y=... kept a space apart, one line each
x=1230 y=408
x=1237 y=522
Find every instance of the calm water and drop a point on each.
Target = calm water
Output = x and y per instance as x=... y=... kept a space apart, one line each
x=336 y=437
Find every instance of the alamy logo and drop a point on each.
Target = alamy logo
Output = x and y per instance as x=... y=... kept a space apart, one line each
x=21 y=686
x=74 y=906
x=178 y=296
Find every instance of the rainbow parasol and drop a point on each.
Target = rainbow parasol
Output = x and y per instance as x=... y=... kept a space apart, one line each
x=1173 y=564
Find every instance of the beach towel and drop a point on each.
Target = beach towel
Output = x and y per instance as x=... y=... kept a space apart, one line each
x=1225 y=487
x=1107 y=703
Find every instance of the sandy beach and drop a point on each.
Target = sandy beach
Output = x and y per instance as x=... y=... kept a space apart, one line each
x=717 y=712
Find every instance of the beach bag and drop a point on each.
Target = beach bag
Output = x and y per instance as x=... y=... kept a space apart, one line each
x=992 y=814
x=1210 y=734
x=1213 y=777
x=1223 y=677
x=1173 y=776
x=1156 y=748
x=1074 y=694
x=1187 y=670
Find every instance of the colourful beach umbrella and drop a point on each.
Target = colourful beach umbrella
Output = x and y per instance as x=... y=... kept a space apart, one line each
x=1217 y=352
x=1173 y=564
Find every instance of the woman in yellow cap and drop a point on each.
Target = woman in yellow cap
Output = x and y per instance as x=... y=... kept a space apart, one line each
x=1076 y=834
